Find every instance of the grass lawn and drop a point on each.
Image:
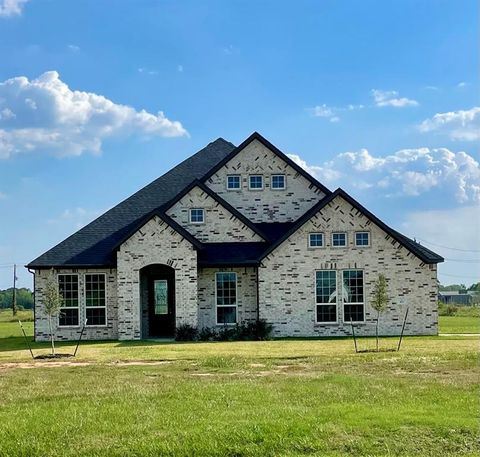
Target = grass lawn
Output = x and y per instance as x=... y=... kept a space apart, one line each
x=275 y=398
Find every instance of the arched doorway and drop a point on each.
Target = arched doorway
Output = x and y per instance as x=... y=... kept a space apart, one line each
x=157 y=290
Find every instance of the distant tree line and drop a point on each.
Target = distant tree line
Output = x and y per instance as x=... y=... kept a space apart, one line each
x=24 y=298
x=460 y=287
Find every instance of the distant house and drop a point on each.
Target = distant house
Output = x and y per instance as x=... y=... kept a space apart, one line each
x=457 y=297
x=230 y=235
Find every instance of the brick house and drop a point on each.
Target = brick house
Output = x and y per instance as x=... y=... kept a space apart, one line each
x=233 y=234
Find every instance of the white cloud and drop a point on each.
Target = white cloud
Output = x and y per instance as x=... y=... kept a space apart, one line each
x=458 y=125
x=180 y=68
x=390 y=98
x=73 y=47
x=10 y=8
x=147 y=71
x=51 y=117
x=408 y=172
x=462 y=84
x=7 y=113
x=332 y=113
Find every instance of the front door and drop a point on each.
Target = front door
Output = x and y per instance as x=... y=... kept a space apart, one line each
x=161 y=306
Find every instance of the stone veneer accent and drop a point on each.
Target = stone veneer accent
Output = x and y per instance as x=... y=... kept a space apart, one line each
x=246 y=295
x=287 y=279
x=219 y=226
x=265 y=205
x=107 y=332
x=155 y=243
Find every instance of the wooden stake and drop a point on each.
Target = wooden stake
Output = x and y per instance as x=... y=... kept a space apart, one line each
x=403 y=328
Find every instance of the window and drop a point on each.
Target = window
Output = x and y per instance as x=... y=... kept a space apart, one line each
x=315 y=240
x=68 y=289
x=160 y=292
x=353 y=296
x=233 y=182
x=197 y=216
x=278 y=181
x=339 y=239
x=226 y=286
x=255 y=182
x=362 y=239
x=326 y=295
x=95 y=301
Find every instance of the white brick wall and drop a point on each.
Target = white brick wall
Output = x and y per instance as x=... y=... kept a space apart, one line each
x=219 y=226
x=265 y=205
x=155 y=243
x=246 y=295
x=287 y=279
x=42 y=332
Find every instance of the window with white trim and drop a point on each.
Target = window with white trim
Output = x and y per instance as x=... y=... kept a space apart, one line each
x=95 y=299
x=226 y=297
x=197 y=216
x=233 y=182
x=353 y=296
x=68 y=289
x=326 y=296
x=315 y=240
x=255 y=182
x=278 y=182
x=362 y=239
x=339 y=239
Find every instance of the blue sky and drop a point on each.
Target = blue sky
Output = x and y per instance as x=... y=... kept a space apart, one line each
x=379 y=98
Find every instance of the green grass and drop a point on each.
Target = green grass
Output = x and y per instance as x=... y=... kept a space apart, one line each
x=465 y=320
x=273 y=398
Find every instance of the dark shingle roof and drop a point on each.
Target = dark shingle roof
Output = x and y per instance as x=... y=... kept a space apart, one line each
x=93 y=244
x=230 y=254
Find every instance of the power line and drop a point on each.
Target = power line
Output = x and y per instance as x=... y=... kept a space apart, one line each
x=448 y=247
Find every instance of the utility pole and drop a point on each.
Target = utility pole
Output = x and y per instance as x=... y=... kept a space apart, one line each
x=14 y=300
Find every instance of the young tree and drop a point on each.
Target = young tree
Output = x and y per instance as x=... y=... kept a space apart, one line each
x=52 y=302
x=380 y=299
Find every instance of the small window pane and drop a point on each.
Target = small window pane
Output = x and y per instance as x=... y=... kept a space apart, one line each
x=233 y=182
x=197 y=215
x=68 y=316
x=256 y=182
x=353 y=295
x=226 y=315
x=339 y=239
x=68 y=289
x=278 y=181
x=326 y=313
x=362 y=239
x=316 y=240
x=95 y=316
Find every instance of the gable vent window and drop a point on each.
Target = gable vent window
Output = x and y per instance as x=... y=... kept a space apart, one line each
x=339 y=239
x=255 y=182
x=68 y=289
x=197 y=216
x=315 y=240
x=95 y=299
x=233 y=182
x=362 y=239
x=278 y=182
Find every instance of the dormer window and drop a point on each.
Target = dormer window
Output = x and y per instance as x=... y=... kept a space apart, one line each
x=197 y=216
x=278 y=182
x=233 y=182
x=255 y=182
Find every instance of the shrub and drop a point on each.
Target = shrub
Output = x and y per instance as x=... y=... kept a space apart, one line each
x=186 y=332
x=261 y=329
x=447 y=310
x=207 y=334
